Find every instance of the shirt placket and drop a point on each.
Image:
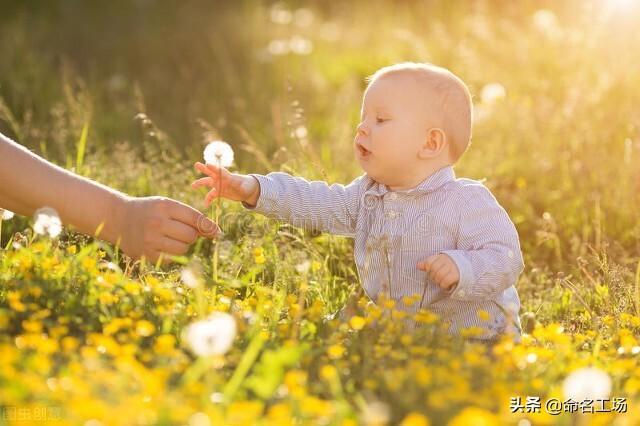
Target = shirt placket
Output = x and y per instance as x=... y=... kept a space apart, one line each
x=390 y=215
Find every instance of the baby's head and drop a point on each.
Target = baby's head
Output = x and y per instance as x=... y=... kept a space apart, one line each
x=415 y=119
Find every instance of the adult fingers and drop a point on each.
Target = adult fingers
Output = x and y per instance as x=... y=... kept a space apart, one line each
x=179 y=231
x=192 y=217
x=172 y=247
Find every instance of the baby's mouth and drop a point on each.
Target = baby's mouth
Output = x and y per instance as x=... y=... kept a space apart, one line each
x=363 y=151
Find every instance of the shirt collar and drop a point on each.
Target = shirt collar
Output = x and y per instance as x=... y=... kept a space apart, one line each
x=430 y=184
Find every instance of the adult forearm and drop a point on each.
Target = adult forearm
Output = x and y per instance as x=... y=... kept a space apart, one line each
x=28 y=182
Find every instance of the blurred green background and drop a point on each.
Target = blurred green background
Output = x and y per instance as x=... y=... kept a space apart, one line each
x=556 y=88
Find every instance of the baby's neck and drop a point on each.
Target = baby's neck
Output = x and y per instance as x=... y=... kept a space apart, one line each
x=414 y=181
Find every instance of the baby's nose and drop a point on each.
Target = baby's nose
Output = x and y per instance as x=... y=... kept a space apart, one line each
x=361 y=130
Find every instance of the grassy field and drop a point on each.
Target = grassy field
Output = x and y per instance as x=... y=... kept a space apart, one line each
x=87 y=337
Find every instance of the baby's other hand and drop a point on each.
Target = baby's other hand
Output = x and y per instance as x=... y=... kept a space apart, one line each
x=442 y=270
x=225 y=184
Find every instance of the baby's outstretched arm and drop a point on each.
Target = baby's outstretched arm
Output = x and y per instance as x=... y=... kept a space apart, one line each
x=309 y=204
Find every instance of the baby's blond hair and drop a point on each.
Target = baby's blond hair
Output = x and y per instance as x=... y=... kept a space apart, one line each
x=451 y=94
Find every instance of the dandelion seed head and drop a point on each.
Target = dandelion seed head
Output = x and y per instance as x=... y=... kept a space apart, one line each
x=190 y=276
x=376 y=412
x=278 y=47
x=218 y=153
x=47 y=222
x=300 y=45
x=587 y=383
x=6 y=214
x=546 y=22
x=213 y=335
x=303 y=267
x=492 y=93
x=303 y=17
x=280 y=14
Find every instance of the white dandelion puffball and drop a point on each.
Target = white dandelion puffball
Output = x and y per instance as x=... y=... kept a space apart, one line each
x=546 y=22
x=5 y=214
x=190 y=277
x=587 y=383
x=219 y=153
x=47 y=222
x=376 y=413
x=492 y=92
x=213 y=335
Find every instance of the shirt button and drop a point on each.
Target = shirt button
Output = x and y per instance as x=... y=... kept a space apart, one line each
x=461 y=293
x=391 y=214
x=392 y=196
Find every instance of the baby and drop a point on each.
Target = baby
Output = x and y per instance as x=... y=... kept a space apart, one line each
x=419 y=231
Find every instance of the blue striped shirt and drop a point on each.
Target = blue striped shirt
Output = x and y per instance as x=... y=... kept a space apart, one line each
x=394 y=230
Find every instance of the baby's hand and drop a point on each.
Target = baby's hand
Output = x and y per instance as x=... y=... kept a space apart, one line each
x=225 y=184
x=441 y=269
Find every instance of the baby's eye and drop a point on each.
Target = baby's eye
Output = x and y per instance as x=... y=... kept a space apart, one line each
x=380 y=120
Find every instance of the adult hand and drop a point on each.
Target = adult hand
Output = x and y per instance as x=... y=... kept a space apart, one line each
x=151 y=226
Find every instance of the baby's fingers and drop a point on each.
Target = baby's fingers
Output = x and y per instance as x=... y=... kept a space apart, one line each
x=205 y=181
x=211 y=195
x=210 y=169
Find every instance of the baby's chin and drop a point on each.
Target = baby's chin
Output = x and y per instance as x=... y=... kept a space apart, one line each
x=375 y=176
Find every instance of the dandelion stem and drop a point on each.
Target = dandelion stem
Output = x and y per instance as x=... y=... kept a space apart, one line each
x=217 y=219
x=246 y=362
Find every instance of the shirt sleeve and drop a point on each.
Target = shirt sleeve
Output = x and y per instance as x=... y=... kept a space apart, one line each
x=488 y=254
x=314 y=205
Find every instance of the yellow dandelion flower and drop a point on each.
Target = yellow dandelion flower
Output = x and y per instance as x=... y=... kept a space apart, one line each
x=107 y=298
x=425 y=317
x=328 y=372
x=145 y=328
x=472 y=332
x=316 y=406
x=88 y=262
x=336 y=351
x=132 y=287
x=357 y=323
x=280 y=413
x=415 y=419
x=244 y=412
x=165 y=344
x=406 y=339
x=410 y=300
x=398 y=315
x=295 y=381
x=474 y=416
x=14 y=301
x=70 y=344
x=483 y=315
x=32 y=326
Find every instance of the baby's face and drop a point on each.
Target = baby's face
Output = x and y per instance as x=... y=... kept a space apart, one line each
x=393 y=127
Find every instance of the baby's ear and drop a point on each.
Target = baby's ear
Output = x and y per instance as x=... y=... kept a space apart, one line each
x=434 y=144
